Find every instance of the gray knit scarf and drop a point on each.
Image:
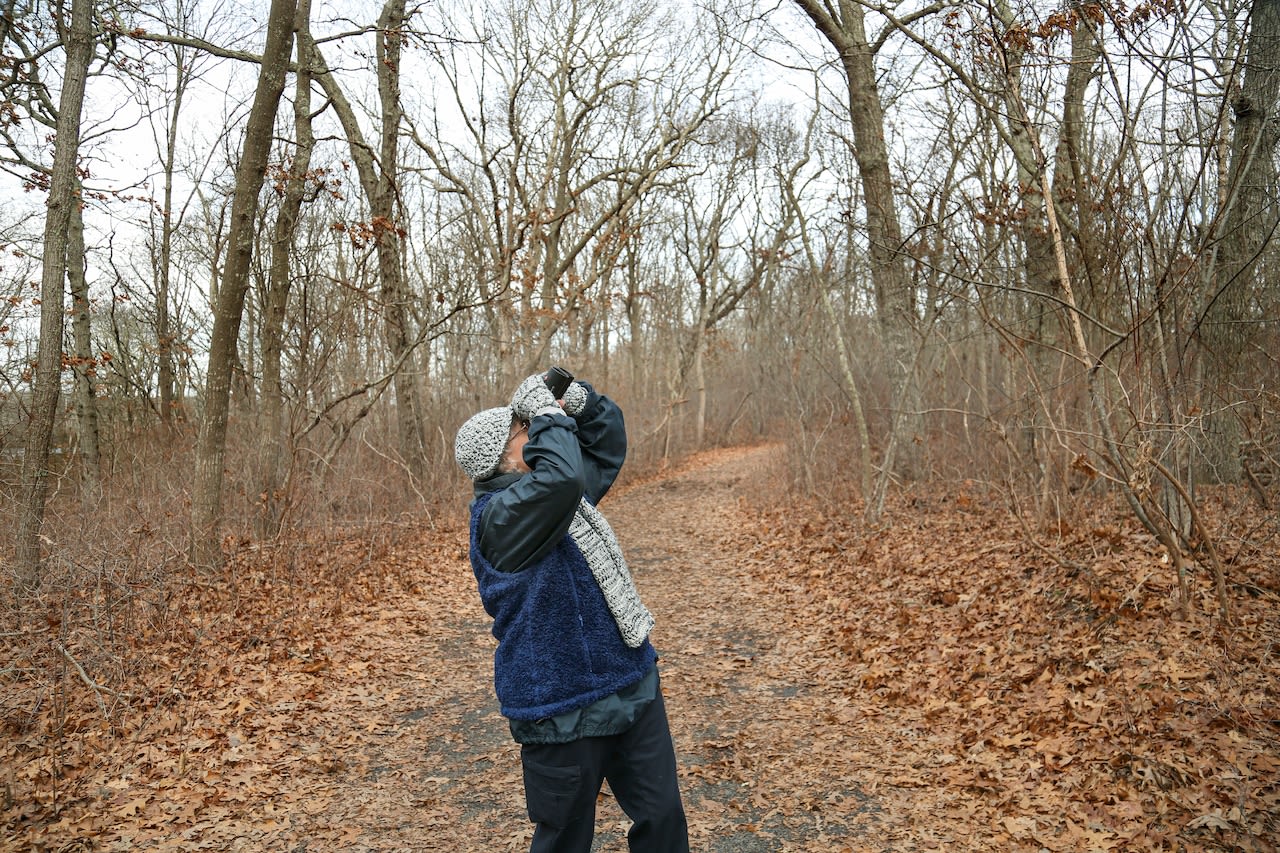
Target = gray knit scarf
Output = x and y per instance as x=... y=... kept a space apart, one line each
x=596 y=540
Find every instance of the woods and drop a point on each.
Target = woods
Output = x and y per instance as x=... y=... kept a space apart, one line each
x=258 y=265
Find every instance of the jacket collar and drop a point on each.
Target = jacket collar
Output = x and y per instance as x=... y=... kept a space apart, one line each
x=496 y=483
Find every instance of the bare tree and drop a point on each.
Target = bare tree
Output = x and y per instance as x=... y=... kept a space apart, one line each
x=84 y=364
x=28 y=88
x=819 y=266
x=1245 y=254
x=378 y=171
x=843 y=24
x=292 y=186
x=578 y=111
x=185 y=71
x=206 y=502
x=77 y=38
x=1008 y=107
x=735 y=222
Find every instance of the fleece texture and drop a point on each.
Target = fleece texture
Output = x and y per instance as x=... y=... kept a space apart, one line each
x=559 y=646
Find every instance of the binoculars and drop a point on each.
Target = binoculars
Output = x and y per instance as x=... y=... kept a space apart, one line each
x=558 y=379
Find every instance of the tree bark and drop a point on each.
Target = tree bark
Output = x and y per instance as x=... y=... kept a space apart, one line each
x=388 y=231
x=1249 y=226
x=206 y=510
x=378 y=181
x=169 y=401
x=83 y=365
x=1039 y=262
x=843 y=25
x=48 y=369
x=271 y=468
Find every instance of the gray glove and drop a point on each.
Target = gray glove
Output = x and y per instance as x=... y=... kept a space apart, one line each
x=533 y=397
x=575 y=399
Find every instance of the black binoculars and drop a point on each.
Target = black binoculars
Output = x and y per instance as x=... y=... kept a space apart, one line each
x=558 y=379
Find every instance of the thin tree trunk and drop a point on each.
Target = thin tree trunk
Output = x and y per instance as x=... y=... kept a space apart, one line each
x=84 y=365
x=271 y=467
x=843 y=25
x=48 y=368
x=1038 y=264
x=820 y=274
x=700 y=383
x=164 y=334
x=634 y=304
x=206 y=509
x=388 y=231
x=378 y=182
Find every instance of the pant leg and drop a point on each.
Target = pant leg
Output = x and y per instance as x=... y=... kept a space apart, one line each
x=561 y=782
x=642 y=776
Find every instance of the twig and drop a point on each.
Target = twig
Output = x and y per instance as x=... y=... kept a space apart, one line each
x=1219 y=573
x=1258 y=491
x=1132 y=595
x=97 y=689
x=1030 y=538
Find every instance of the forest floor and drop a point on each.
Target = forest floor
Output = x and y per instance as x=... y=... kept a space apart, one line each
x=935 y=684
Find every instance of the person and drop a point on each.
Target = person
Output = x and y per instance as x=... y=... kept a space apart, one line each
x=574 y=671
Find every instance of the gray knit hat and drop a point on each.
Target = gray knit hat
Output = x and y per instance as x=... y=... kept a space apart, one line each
x=481 y=440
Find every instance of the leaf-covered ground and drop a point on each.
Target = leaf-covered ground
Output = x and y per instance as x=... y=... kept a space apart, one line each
x=936 y=684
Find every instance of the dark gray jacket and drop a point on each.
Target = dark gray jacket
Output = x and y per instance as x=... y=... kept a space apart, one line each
x=571 y=457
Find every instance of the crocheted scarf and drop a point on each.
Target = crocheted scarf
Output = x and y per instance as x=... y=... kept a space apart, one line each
x=598 y=544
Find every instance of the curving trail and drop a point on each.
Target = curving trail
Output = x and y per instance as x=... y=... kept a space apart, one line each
x=382 y=734
x=431 y=767
x=828 y=691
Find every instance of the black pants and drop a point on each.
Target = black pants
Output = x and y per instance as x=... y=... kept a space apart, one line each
x=561 y=782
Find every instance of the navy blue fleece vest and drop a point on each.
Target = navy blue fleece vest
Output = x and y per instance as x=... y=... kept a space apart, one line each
x=558 y=646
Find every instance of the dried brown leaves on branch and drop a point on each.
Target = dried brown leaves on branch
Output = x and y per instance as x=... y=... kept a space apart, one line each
x=935 y=683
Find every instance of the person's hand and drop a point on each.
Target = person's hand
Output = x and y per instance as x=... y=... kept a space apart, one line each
x=533 y=397
x=575 y=398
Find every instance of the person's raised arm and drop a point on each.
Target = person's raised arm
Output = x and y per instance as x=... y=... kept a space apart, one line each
x=525 y=521
x=602 y=434
x=530 y=512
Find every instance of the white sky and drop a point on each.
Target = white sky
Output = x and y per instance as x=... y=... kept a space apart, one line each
x=122 y=138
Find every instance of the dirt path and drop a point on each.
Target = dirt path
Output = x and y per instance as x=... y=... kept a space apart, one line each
x=426 y=762
x=993 y=709
x=741 y=672
x=383 y=735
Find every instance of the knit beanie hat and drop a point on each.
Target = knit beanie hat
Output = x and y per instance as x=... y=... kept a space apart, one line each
x=481 y=440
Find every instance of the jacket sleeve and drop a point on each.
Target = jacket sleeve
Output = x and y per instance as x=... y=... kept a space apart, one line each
x=522 y=523
x=602 y=435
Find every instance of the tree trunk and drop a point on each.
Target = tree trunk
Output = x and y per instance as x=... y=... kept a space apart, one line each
x=1038 y=264
x=378 y=181
x=895 y=303
x=1248 y=227
x=855 y=398
x=169 y=402
x=84 y=366
x=700 y=389
x=206 y=498
x=1039 y=261
x=275 y=450
x=48 y=369
x=1070 y=170
x=388 y=231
